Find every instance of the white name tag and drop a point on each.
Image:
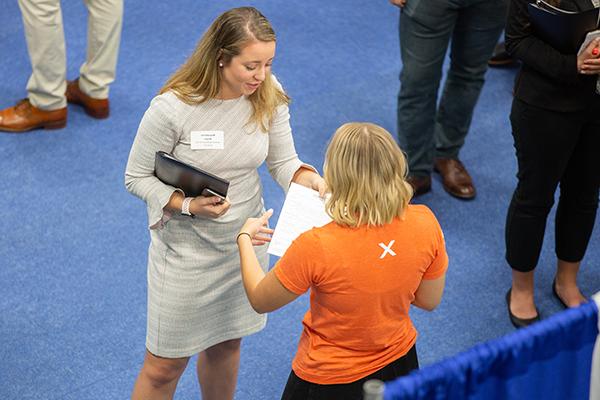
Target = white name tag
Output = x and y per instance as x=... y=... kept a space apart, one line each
x=207 y=140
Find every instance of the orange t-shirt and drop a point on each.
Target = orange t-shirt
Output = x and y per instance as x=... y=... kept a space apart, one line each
x=363 y=281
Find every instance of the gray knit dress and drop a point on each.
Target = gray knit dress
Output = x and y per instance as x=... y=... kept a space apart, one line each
x=195 y=293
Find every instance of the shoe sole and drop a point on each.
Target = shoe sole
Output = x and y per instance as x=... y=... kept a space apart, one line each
x=460 y=196
x=505 y=62
x=497 y=64
x=47 y=125
x=98 y=114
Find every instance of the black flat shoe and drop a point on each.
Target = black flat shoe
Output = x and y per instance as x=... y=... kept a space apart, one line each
x=556 y=294
x=520 y=322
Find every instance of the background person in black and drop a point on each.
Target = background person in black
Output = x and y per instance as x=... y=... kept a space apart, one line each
x=555 y=120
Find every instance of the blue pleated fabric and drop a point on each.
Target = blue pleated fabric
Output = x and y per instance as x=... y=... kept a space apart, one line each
x=548 y=360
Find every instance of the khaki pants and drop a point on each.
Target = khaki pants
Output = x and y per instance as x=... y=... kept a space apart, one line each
x=43 y=24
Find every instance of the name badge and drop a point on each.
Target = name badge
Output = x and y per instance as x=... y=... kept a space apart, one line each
x=207 y=140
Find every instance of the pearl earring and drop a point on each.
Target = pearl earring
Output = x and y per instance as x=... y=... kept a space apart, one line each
x=221 y=64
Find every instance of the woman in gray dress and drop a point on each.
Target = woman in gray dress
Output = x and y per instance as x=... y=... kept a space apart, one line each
x=221 y=111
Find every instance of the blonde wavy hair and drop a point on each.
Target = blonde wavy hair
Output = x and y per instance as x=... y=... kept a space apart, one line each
x=199 y=78
x=365 y=171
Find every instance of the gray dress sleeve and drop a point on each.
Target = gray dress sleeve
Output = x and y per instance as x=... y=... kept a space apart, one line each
x=157 y=131
x=282 y=159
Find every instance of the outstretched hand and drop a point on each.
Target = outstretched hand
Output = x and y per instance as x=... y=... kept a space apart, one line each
x=258 y=229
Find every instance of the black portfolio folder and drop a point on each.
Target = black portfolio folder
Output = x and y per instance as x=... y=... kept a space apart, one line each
x=561 y=29
x=193 y=181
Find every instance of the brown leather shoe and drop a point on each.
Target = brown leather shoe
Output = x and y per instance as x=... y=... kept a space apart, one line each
x=97 y=108
x=25 y=117
x=420 y=184
x=455 y=178
x=501 y=58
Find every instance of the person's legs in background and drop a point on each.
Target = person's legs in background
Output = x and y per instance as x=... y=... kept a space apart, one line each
x=98 y=71
x=576 y=210
x=544 y=142
x=425 y=31
x=46 y=105
x=43 y=25
x=476 y=32
x=48 y=91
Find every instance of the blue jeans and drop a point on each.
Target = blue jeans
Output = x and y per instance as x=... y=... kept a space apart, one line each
x=426 y=130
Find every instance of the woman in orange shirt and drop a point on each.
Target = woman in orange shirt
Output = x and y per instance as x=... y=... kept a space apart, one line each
x=378 y=256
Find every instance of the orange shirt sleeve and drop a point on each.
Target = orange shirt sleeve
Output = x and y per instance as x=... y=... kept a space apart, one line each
x=438 y=266
x=294 y=268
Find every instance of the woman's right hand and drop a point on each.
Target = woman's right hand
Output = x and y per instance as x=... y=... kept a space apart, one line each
x=588 y=62
x=210 y=207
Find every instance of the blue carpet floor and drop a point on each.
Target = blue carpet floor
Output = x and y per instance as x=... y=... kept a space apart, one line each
x=73 y=241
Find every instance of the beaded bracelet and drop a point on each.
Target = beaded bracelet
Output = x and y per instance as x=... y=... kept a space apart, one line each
x=185 y=206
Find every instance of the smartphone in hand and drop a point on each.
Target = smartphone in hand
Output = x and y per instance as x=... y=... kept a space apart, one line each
x=206 y=192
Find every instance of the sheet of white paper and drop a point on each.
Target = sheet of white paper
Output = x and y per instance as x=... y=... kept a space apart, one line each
x=302 y=210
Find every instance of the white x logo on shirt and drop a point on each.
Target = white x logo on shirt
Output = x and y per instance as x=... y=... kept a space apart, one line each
x=387 y=249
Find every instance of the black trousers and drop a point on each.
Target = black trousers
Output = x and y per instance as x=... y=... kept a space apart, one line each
x=299 y=389
x=553 y=148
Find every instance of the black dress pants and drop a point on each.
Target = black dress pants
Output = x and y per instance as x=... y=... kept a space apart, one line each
x=299 y=389
x=553 y=148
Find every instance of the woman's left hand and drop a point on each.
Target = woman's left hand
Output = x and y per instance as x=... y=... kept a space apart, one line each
x=258 y=229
